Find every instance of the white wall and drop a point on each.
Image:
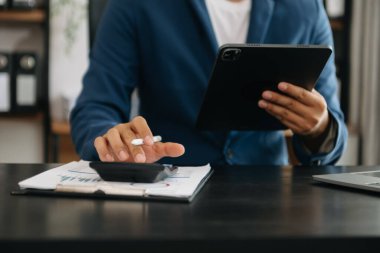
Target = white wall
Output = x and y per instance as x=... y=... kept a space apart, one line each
x=67 y=63
x=350 y=156
x=21 y=141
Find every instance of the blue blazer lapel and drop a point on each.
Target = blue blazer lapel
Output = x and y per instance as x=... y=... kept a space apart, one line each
x=261 y=15
x=200 y=9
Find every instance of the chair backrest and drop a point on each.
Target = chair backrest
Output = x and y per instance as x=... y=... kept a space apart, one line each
x=95 y=12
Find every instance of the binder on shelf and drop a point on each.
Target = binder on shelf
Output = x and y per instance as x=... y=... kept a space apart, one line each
x=23 y=4
x=5 y=82
x=25 y=82
x=4 y=4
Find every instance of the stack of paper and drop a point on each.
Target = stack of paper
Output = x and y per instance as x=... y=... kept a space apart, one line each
x=78 y=177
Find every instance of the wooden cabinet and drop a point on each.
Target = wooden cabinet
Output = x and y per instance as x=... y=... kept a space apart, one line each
x=62 y=147
x=31 y=16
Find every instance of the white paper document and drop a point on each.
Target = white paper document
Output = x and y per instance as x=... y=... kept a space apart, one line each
x=79 y=177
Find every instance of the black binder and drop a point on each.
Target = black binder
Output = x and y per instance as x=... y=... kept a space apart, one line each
x=4 y=4
x=5 y=82
x=23 y=4
x=25 y=83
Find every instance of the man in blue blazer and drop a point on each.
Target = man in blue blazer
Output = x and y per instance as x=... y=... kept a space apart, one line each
x=166 y=49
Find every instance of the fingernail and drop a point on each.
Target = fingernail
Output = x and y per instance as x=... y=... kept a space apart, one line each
x=263 y=104
x=139 y=158
x=283 y=86
x=123 y=156
x=148 y=140
x=109 y=158
x=267 y=95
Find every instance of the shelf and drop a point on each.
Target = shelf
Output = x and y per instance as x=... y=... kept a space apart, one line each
x=24 y=16
x=21 y=116
x=60 y=128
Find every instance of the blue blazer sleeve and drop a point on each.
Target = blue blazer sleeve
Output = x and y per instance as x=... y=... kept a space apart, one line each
x=110 y=79
x=327 y=86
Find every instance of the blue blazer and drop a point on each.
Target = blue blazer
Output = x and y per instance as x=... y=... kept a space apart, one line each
x=166 y=49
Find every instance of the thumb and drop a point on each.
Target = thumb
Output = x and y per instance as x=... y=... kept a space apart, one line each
x=169 y=149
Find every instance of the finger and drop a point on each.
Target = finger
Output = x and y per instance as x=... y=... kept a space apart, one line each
x=117 y=145
x=304 y=96
x=282 y=113
x=141 y=128
x=287 y=102
x=169 y=149
x=136 y=152
x=296 y=129
x=322 y=104
x=101 y=147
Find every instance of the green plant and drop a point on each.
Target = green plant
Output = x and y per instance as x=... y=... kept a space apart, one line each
x=74 y=12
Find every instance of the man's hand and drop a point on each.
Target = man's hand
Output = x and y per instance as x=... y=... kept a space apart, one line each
x=304 y=112
x=116 y=145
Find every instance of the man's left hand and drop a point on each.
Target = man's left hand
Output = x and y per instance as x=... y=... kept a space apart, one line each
x=304 y=112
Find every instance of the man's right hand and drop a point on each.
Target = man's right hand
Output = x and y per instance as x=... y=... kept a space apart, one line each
x=116 y=144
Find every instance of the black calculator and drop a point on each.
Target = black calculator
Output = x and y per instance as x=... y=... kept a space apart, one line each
x=133 y=172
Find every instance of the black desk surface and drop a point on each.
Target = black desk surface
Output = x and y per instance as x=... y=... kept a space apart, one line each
x=267 y=209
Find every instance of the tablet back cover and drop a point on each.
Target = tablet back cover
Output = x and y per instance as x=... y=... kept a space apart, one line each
x=243 y=71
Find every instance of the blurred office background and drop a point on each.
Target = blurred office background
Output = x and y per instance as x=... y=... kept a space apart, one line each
x=44 y=47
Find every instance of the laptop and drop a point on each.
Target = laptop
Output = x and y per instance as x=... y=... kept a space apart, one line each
x=367 y=180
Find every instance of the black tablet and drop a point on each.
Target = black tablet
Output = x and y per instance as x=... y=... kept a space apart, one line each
x=243 y=71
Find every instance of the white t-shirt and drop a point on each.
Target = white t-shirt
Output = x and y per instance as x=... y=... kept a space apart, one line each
x=230 y=20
